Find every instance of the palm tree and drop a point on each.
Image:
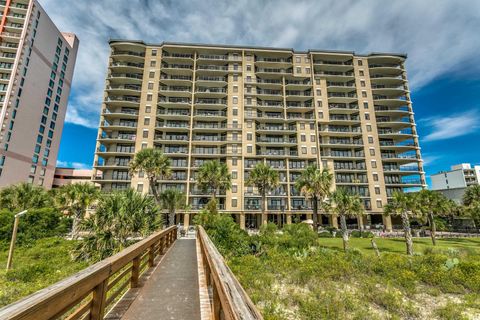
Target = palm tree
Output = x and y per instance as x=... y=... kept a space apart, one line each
x=402 y=205
x=471 y=195
x=24 y=196
x=213 y=176
x=264 y=178
x=120 y=216
x=154 y=164
x=431 y=204
x=172 y=199
x=315 y=183
x=346 y=204
x=75 y=199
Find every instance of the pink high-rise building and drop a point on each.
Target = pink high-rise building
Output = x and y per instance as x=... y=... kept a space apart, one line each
x=36 y=70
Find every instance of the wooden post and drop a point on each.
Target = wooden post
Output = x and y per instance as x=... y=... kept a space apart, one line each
x=215 y=302
x=14 y=238
x=151 y=256
x=98 y=301
x=135 y=272
x=186 y=221
x=162 y=246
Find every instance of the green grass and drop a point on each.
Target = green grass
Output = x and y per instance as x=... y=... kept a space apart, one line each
x=35 y=266
x=398 y=245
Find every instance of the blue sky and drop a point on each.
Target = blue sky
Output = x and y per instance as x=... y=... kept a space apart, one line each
x=439 y=36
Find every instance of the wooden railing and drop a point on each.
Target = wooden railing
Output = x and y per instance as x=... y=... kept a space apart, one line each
x=92 y=292
x=230 y=301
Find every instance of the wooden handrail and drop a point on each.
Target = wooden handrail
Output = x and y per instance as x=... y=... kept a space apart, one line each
x=85 y=293
x=230 y=301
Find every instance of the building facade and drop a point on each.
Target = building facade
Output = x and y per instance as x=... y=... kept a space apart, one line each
x=64 y=176
x=36 y=69
x=244 y=105
x=453 y=183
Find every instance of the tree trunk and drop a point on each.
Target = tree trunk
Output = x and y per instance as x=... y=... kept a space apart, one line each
x=315 y=213
x=77 y=218
x=408 y=233
x=171 y=218
x=264 y=215
x=433 y=228
x=343 y=225
x=153 y=187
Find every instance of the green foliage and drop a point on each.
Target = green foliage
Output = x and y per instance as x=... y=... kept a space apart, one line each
x=119 y=217
x=229 y=239
x=24 y=196
x=35 y=266
x=450 y=311
x=36 y=224
x=214 y=176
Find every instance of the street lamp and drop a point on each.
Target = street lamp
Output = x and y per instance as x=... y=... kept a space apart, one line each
x=14 y=238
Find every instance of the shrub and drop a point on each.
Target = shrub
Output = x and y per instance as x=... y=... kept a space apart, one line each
x=361 y=234
x=325 y=234
x=298 y=236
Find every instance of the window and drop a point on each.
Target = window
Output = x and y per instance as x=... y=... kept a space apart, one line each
x=249 y=67
x=361 y=73
x=30 y=179
x=377 y=190
x=374 y=164
x=140 y=187
x=234 y=174
x=235 y=77
x=303 y=138
x=148 y=109
x=319 y=92
x=298 y=59
x=153 y=63
x=302 y=126
x=370 y=139
x=379 y=204
x=235 y=112
x=312 y=138
x=234 y=161
x=307 y=70
x=33 y=169
x=249 y=124
x=360 y=62
x=146 y=121
x=367 y=116
x=235 y=136
x=362 y=83
x=299 y=70
x=317 y=81
x=249 y=149
x=304 y=150
x=364 y=94
x=312 y=126
x=234 y=188
x=375 y=177
x=149 y=97
x=235 y=89
x=319 y=103
x=37 y=148
x=369 y=128
x=365 y=105
x=372 y=152
x=249 y=136
x=249 y=57
x=320 y=114
x=235 y=100
x=307 y=60
x=154 y=52
x=314 y=150
x=234 y=203
x=150 y=86
x=151 y=74
x=145 y=133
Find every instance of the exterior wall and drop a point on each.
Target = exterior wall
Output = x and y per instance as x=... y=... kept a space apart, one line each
x=64 y=176
x=454 y=194
x=244 y=105
x=448 y=180
x=24 y=116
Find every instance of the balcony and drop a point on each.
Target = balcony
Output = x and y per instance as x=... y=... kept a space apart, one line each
x=342 y=154
x=210 y=92
x=175 y=151
x=355 y=131
x=113 y=138
x=128 y=53
x=210 y=80
x=210 y=114
x=126 y=66
x=275 y=62
x=269 y=104
x=390 y=133
x=172 y=137
x=265 y=141
x=182 y=126
x=211 y=102
x=343 y=107
x=212 y=57
x=176 y=90
x=276 y=128
x=173 y=114
x=173 y=102
x=276 y=71
x=214 y=69
x=174 y=56
x=125 y=78
x=119 y=125
x=300 y=106
x=175 y=79
x=336 y=75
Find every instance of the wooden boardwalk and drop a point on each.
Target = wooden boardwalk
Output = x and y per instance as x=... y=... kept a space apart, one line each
x=172 y=291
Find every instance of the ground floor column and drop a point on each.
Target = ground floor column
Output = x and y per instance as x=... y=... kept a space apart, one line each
x=387 y=222
x=242 y=221
x=289 y=218
x=333 y=220
x=186 y=221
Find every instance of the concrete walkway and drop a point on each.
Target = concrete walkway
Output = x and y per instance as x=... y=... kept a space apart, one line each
x=172 y=292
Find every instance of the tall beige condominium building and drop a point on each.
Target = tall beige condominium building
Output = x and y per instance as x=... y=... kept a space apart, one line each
x=36 y=69
x=244 y=105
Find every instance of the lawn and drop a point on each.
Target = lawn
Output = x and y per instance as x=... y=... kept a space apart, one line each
x=35 y=266
x=398 y=245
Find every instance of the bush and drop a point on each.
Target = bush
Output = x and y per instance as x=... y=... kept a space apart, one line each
x=298 y=236
x=361 y=234
x=325 y=234
x=36 y=224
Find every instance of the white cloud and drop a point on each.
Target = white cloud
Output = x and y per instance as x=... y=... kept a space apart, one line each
x=440 y=37
x=451 y=126
x=75 y=165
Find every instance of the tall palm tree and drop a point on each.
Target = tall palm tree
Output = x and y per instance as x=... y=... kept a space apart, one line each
x=24 y=196
x=403 y=205
x=154 y=164
x=346 y=205
x=315 y=184
x=213 y=176
x=75 y=199
x=264 y=178
x=431 y=204
x=172 y=199
x=120 y=216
